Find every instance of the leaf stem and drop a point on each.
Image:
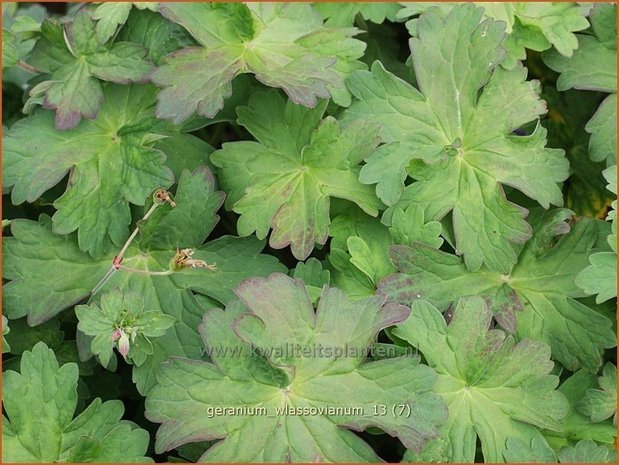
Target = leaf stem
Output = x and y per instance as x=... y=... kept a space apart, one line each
x=145 y=272
x=119 y=257
x=124 y=248
x=26 y=67
x=102 y=282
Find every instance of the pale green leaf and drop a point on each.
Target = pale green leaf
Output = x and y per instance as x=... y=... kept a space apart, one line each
x=121 y=313
x=454 y=136
x=360 y=243
x=255 y=366
x=536 y=26
x=587 y=451
x=594 y=67
x=495 y=389
x=537 y=298
x=600 y=404
x=600 y=277
x=283 y=44
x=344 y=14
x=577 y=426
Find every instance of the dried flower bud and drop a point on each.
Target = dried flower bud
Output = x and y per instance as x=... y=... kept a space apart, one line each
x=183 y=259
x=163 y=196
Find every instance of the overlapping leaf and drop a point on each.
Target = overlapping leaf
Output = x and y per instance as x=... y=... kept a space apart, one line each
x=40 y=402
x=76 y=59
x=601 y=403
x=5 y=330
x=34 y=256
x=283 y=44
x=359 y=246
x=19 y=31
x=260 y=360
x=594 y=67
x=585 y=451
x=576 y=426
x=537 y=298
x=600 y=277
x=110 y=15
x=284 y=181
x=113 y=160
x=585 y=193
x=495 y=389
x=456 y=139
x=344 y=14
x=535 y=26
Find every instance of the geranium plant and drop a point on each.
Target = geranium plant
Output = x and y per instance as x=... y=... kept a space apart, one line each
x=296 y=232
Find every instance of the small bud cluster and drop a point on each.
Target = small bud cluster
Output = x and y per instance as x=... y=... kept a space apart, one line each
x=124 y=335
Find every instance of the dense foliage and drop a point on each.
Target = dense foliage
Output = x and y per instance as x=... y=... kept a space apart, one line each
x=309 y=232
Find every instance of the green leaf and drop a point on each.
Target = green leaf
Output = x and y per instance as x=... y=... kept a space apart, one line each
x=20 y=27
x=285 y=180
x=454 y=136
x=495 y=389
x=5 y=330
x=313 y=276
x=524 y=300
x=534 y=26
x=600 y=404
x=537 y=451
x=191 y=221
x=33 y=256
x=283 y=44
x=266 y=372
x=152 y=31
x=587 y=452
x=600 y=277
x=121 y=316
x=577 y=426
x=594 y=67
x=76 y=59
x=52 y=434
x=112 y=164
x=109 y=16
x=344 y=14
x=10 y=54
x=360 y=243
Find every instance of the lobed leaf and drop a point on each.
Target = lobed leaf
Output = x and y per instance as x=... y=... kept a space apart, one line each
x=285 y=180
x=36 y=288
x=537 y=298
x=96 y=435
x=284 y=45
x=454 y=136
x=594 y=67
x=495 y=388
x=256 y=370
x=77 y=57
